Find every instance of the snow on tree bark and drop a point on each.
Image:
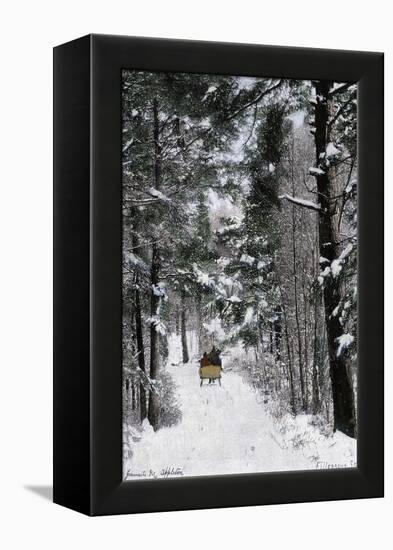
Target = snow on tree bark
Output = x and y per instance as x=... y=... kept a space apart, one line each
x=154 y=404
x=329 y=245
x=184 y=328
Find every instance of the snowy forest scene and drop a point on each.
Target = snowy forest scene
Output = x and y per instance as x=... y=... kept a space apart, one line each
x=239 y=326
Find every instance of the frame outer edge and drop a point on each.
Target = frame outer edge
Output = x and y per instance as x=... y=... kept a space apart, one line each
x=109 y=495
x=71 y=317
x=371 y=276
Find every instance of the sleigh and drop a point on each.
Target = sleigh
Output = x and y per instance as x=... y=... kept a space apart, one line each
x=210 y=372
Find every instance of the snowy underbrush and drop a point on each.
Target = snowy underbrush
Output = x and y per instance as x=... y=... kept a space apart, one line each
x=170 y=414
x=235 y=358
x=310 y=437
x=131 y=435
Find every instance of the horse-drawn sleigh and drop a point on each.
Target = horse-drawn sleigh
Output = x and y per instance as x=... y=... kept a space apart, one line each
x=210 y=372
x=211 y=367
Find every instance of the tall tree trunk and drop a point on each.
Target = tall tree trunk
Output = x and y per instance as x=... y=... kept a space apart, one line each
x=277 y=328
x=184 y=328
x=260 y=351
x=278 y=335
x=305 y=335
x=295 y=288
x=154 y=405
x=140 y=349
x=317 y=360
x=137 y=323
x=271 y=338
x=177 y=321
x=315 y=365
x=199 y=320
x=132 y=395
x=329 y=246
x=292 y=396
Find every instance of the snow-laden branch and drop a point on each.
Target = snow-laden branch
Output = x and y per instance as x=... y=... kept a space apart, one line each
x=340 y=111
x=340 y=88
x=344 y=342
x=316 y=171
x=127 y=145
x=301 y=202
x=230 y=117
x=158 y=195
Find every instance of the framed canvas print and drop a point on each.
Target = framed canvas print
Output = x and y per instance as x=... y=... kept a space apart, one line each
x=218 y=275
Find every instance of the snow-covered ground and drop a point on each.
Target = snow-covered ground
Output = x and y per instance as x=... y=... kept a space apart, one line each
x=227 y=430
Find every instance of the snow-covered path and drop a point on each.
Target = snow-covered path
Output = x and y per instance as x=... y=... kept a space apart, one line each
x=226 y=430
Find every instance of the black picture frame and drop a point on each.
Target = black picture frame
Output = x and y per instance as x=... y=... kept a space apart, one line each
x=88 y=278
